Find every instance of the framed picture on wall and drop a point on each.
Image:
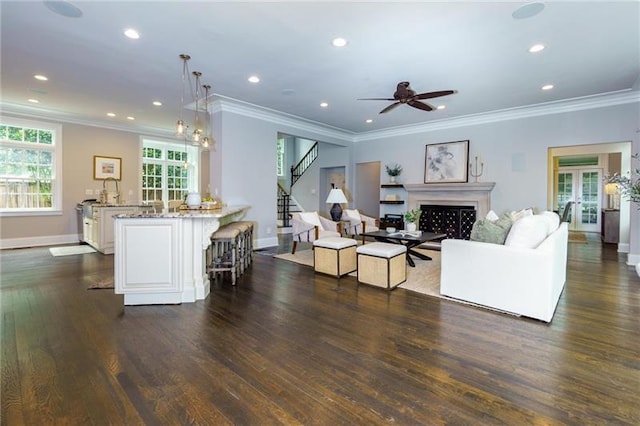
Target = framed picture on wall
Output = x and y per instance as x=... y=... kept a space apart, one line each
x=447 y=162
x=106 y=167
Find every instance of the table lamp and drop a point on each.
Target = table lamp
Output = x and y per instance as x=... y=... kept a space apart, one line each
x=611 y=189
x=336 y=196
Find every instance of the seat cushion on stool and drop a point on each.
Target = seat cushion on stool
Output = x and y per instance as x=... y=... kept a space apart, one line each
x=226 y=232
x=382 y=249
x=334 y=242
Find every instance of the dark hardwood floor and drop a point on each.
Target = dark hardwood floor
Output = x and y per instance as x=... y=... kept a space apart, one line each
x=286 y=346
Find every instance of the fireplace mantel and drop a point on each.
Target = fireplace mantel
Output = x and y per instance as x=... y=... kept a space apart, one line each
x=477 y=194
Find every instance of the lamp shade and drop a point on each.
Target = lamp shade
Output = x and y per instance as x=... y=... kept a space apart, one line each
x=336 y=196
x=611 y=188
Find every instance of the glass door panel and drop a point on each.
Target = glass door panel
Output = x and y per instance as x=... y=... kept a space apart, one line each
x=588 y=201
x=564 y=193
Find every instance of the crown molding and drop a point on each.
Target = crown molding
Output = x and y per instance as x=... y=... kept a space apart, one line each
x=27 y=112
x=557 y=107
x=226 y=104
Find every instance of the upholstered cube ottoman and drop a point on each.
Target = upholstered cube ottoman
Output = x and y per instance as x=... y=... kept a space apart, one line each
x=382 y=264
x=334 y=255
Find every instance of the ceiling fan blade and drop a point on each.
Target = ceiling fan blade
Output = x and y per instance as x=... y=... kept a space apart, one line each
x=430 y=95
x=376 y=99
x=390 y=107
x=421 y=105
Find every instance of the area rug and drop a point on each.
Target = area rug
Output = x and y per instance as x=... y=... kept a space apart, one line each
x=424 y=278
x=70 y=250
x=101 y=283
x=577 y=237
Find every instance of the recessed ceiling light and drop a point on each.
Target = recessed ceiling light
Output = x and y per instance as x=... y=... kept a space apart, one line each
x=254 y=79
x=368 y=120
x=440 y=107
x=63 y=8
x=339 y=42
x=40 y=77
x=157 y=103
x=33 y=101
x=131 y=33
x=536 y=48
x=528 y=10
x=324 y=104
x=110 y=114
x=130 y=118
x=547 y=87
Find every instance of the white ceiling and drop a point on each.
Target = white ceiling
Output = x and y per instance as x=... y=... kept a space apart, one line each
x=477 y=48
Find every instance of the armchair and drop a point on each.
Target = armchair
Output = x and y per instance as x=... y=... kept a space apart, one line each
x=310 y=226
x=357 y=223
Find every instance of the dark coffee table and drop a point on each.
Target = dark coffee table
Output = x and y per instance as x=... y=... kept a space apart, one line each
x=408 y=240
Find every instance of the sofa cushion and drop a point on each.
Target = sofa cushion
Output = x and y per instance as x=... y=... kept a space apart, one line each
x=528 y=232
x=491 y=231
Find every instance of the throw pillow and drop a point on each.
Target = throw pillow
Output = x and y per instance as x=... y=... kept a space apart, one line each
x=353 y=214
x=515 y=215
x=488 y=231
x=553 y=221
x=312 y=218
x=492 y=216
x=528 y=232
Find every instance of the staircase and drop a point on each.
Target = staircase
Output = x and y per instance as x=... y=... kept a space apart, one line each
x=286 y=205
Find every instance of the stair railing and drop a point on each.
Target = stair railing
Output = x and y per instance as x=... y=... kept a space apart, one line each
x=283 y=206
x=298 y=170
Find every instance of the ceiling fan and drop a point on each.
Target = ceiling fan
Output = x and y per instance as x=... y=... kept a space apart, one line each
x=405 y=95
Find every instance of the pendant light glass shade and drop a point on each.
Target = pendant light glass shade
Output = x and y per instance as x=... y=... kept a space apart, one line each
x=200 y=134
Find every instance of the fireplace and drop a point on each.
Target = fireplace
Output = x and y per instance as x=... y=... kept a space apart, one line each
x=450 y=207
x=455 y=221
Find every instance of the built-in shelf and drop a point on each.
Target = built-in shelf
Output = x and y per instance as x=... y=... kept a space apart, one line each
x=392 y=185
x=391 y=202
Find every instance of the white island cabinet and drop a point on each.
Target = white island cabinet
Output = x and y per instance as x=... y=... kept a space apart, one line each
x=160 y=258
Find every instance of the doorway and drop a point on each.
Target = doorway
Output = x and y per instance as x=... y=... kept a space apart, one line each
x=583 y=186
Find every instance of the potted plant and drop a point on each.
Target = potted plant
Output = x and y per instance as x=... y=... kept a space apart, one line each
x=411 y=219
x=393 y=171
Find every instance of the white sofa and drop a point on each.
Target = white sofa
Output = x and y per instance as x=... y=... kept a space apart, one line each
x=523 y=281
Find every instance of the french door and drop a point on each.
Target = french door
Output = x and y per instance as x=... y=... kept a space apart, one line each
x=583 y=186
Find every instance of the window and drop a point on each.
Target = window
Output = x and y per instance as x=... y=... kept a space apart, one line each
x=30 y=167
x=164 y=175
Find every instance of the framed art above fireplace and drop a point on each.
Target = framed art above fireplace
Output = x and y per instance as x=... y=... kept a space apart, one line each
x=447 y=162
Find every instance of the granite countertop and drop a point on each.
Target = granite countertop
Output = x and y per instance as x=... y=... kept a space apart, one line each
x=95 y=205
x=191 y=213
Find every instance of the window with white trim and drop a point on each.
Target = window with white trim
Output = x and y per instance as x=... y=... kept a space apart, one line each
x=30 y=167
x=169 y=170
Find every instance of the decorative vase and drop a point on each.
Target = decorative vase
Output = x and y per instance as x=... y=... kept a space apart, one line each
x=392 y=179
x=411 y=226
x=194 y=200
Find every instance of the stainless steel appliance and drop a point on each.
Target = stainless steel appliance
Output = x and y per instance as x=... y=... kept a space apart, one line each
x=85 y=212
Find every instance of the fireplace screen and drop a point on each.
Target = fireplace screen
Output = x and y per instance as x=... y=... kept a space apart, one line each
x=455 y=221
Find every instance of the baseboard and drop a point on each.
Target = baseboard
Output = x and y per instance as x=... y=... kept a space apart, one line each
x=261 y=243
x=633 y=259
x=47 y=240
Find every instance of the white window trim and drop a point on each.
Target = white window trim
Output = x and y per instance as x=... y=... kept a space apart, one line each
x=56 y=209
x=192 y=152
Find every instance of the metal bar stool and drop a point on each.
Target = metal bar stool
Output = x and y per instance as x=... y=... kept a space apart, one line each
x=224 y=253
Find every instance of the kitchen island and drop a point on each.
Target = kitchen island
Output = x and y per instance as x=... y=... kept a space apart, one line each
x=160 y=258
